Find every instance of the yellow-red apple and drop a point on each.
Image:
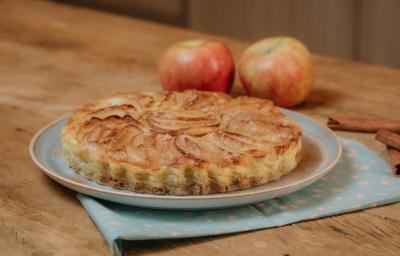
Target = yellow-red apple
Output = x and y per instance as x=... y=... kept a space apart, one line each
x=277 y=68
x=205 y=65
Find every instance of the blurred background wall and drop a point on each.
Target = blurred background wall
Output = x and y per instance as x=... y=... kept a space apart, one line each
x=360 y=30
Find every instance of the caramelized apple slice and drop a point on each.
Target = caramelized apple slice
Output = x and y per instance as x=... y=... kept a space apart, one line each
x=201 y=148
x=164 y=152
x=125 y=136
x=178 y=101
x=256 y=126
x=136 y=149
x=120 y=111
x=148 y=149
x=104 y=130
x=200 y=131
x=181 y=115
x=232 y=142
x=193 y=100
x=173 y=122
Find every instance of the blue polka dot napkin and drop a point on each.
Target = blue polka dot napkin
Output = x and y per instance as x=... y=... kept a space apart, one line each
x=360 y=180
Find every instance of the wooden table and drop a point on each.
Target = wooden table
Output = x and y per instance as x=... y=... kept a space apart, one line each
x=54 y=57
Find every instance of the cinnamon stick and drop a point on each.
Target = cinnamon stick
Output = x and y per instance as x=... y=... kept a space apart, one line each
x=347 y=123
x=391 y=139
x=394 y=157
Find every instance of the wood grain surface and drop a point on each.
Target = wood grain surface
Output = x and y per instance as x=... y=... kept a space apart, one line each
x=55 y=57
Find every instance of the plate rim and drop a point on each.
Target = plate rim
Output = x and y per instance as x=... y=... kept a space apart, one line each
x=132 y=194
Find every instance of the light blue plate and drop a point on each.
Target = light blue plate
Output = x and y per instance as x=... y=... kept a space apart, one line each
x=321 y=151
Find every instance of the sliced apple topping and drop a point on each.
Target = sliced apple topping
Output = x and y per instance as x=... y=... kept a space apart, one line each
x=125 y=136
x=178 y=100
x=144 y=99
x=233 y=142
x=209 y=103
x=194 y=100
x=100 y=131
x=120 y=111
x=138 y=147
x=200 y=131
x=181 y=115
x=173 y=121
x=202 y=148
x=148 y=149
x=257 y=126
x=168 y=128
x=165 y=151
x=249 y=104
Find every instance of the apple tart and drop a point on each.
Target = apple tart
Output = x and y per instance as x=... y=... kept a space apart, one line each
x=181 y=143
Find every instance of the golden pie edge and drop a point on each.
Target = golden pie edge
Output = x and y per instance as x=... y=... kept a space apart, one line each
x=188 y=179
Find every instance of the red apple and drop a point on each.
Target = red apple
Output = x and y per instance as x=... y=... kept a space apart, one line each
x=277 y=68
x=205 y=65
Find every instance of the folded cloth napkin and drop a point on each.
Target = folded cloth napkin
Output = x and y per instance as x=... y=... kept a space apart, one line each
x=360 y=180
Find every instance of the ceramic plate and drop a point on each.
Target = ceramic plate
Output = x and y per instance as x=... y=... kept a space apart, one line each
x=321 y=151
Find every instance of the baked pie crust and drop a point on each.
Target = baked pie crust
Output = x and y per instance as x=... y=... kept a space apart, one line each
x=181 y=143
